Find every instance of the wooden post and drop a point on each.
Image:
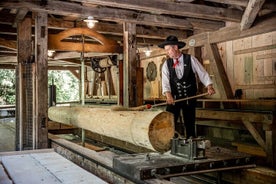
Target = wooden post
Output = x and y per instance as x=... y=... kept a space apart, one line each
x=41 y=81
x=140 y=86
x=121 y=83
x=130 y=65
x=24 y=45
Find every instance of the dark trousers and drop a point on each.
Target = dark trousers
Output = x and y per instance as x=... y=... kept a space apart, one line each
x=188 y=111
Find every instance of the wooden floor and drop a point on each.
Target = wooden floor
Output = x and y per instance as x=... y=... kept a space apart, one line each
x=42 y=166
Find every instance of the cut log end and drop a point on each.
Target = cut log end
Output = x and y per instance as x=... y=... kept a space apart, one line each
x=161 y=131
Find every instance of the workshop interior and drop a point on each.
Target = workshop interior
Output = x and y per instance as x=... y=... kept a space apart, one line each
x=117 y=128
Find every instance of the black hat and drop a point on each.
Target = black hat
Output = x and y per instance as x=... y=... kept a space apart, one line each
x=172 y=40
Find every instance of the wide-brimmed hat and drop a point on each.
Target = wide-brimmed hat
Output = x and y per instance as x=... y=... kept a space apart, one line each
x=172 y=40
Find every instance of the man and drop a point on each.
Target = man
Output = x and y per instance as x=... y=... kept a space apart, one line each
x=179 y=81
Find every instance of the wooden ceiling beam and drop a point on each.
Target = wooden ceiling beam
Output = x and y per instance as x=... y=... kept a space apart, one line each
x=103 y=13
x=8 y=44
x=8 y=66
x=171 y=8
x=250 y=13
x=242 y=3
x=116 y=15
x=232 y=33
x=57 y=24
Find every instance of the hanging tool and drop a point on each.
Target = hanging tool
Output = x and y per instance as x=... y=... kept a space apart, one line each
x=149 y=106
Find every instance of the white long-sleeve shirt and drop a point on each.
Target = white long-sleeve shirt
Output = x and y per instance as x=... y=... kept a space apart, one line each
x=179 y=69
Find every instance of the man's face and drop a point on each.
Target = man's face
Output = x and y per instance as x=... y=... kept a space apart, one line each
x=172 y=51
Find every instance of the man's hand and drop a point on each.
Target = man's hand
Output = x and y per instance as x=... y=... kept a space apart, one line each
x=210 y=89
x=169 y=98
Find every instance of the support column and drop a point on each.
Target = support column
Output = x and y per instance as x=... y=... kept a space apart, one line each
x=41 y=81
x=129 y=65
x=24 y=82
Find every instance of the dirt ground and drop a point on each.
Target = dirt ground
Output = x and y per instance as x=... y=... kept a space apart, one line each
x=7 y=134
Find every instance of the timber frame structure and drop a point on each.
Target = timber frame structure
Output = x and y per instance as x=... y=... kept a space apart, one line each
x=30 y=28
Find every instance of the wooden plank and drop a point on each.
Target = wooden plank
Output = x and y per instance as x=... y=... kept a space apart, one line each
x=255 y=49
x=230 y=63
x=19 y=168
x=9 y=44
x=250 y=149
x=250 y=13
x=64 y=170
x=221 y=124
x=46 y=168
x=266 y=56
x=235 y=115
x=258 y=69
x=248 y=69
x=256 y=86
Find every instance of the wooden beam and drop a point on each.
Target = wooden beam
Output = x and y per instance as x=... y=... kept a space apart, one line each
x=270 y=137
x=241 y=3
x=256 y=86
x=9 y=44
x=266 y=56
x=130 y=65
x=250 y=13
x=172 y=8
x=250 y=149
x=75 y=73
x=7 y=66
x=104 y=13
x=255 y=49
x=20 y=15
x=40 y=105
x=223 y=84
x=264 y=118
x=267 y=24
x=23 y=114
x=255 y=134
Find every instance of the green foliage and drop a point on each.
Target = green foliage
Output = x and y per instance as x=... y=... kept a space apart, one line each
x=7 y=86
x=67 y=86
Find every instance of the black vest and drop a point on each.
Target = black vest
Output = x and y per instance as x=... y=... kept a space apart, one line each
x=186 y=86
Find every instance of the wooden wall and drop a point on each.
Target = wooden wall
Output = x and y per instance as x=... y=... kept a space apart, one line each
x=249 y=63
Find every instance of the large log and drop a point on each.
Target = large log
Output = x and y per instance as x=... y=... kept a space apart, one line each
x=149 y=129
